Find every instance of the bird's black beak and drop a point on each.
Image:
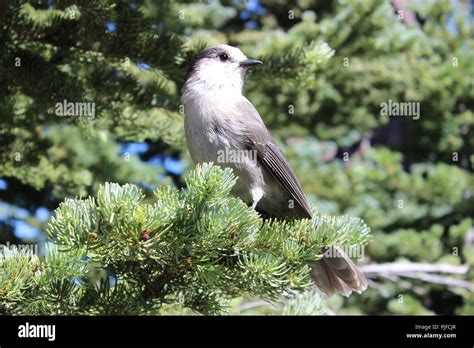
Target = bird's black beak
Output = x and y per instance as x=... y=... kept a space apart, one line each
x=249 y=62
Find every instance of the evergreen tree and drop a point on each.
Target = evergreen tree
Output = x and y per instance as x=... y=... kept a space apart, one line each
x=328 y=68
x=197 y=248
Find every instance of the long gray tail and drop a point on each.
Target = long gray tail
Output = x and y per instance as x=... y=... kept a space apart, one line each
x=335 y=273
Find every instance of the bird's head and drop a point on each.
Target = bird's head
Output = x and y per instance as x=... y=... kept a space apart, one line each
x=220 y=67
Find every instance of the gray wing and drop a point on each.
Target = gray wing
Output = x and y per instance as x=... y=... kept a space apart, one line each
x=270 y=155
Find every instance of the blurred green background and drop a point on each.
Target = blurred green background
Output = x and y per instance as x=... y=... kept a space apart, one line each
x=329 y=66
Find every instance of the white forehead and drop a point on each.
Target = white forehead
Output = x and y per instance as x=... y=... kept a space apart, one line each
x=234 y=52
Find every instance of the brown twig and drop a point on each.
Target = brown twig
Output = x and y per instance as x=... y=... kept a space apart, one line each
x=422 y=271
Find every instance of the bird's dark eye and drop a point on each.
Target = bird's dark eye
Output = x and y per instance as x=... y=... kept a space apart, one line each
x=223 y=57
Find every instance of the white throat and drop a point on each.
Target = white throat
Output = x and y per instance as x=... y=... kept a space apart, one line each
x=214 y=78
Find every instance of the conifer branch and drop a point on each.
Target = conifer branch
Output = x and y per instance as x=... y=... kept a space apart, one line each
x=197 y=247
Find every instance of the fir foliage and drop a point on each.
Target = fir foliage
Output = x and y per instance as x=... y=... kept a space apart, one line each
x=328 y=66
x=197 y=247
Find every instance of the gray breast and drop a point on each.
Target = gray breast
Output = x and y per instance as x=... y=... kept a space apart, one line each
x=211 y=140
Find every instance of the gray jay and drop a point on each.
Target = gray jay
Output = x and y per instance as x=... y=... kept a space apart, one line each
x=223 y=127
